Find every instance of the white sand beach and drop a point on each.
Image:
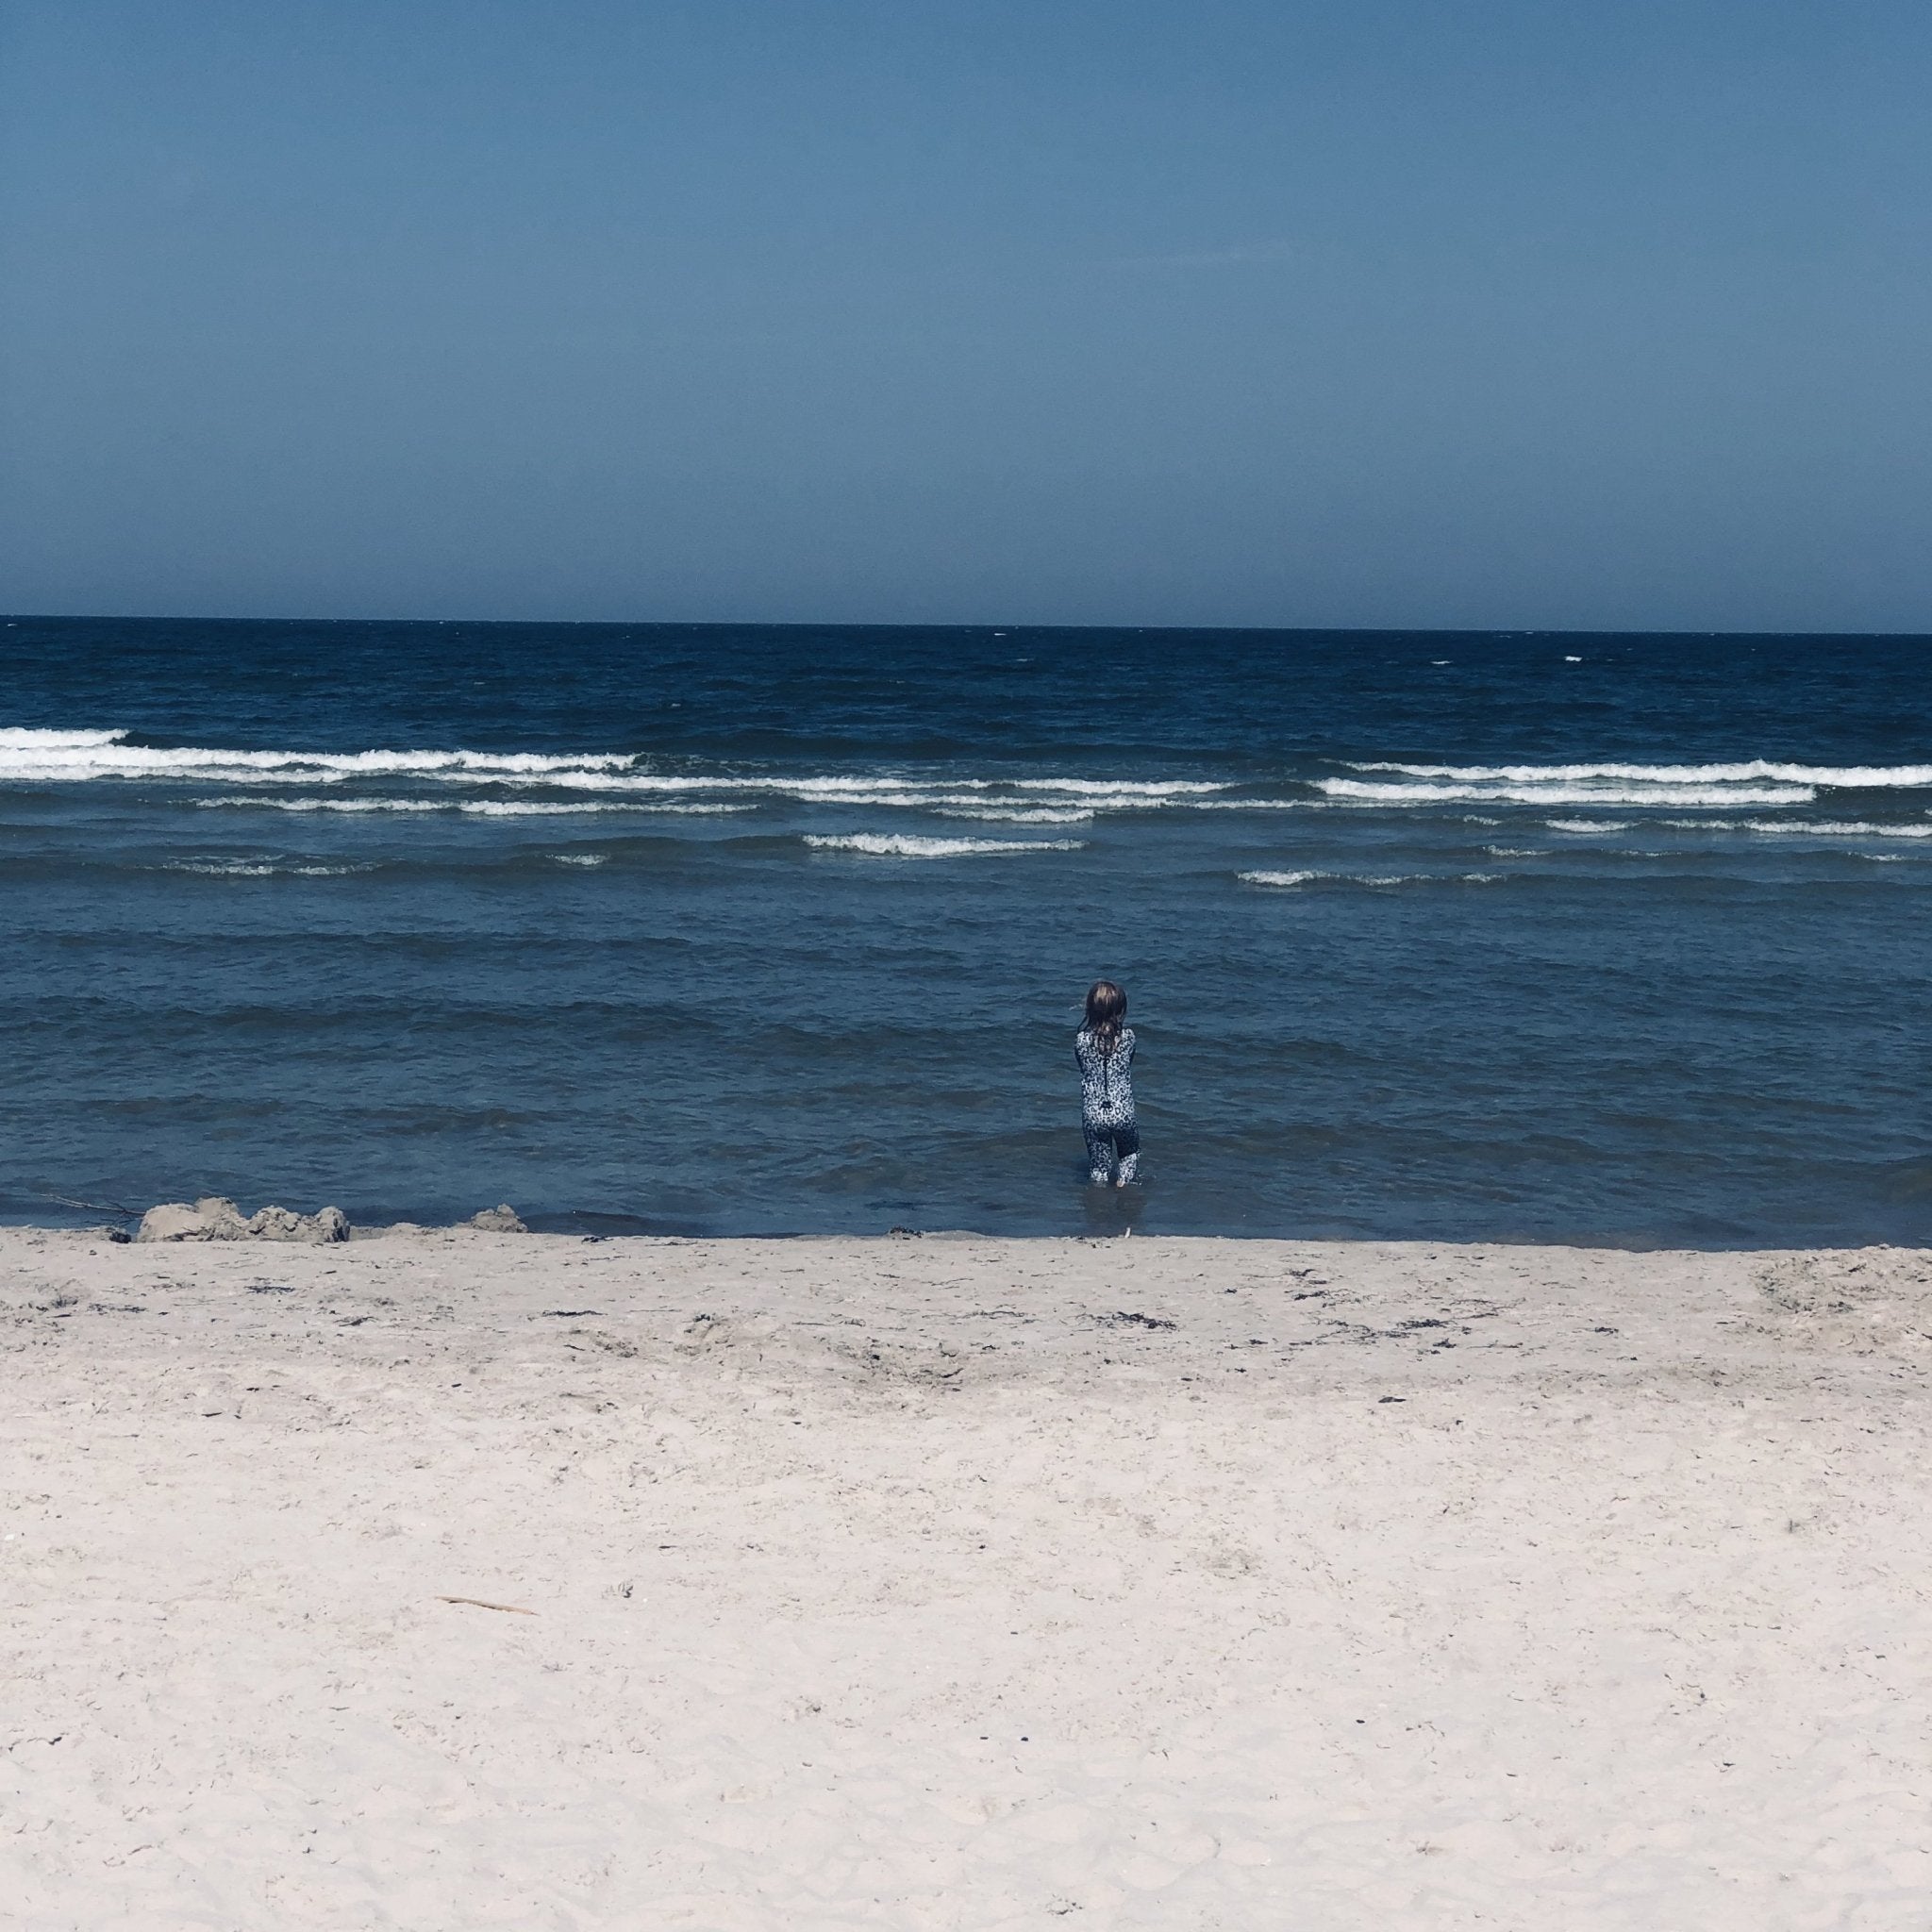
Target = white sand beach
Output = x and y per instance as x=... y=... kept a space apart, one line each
x=959 y=1583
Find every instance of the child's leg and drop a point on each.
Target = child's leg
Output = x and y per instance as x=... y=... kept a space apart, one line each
x=1127 y=1140
x=1099 y=1154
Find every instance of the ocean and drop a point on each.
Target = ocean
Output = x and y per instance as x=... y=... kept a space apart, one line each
x=719 y=929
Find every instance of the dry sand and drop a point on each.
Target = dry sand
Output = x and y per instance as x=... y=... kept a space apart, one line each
x=943 y=1583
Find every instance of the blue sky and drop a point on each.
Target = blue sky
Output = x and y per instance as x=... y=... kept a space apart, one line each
x=1376 y=313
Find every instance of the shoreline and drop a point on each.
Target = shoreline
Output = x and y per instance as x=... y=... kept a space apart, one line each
x=541 y=1226
x=463 y=1578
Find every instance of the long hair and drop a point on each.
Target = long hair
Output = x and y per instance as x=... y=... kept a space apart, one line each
x=1107 y=1006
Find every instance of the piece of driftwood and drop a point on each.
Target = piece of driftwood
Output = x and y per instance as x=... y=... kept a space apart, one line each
x=514 y=1609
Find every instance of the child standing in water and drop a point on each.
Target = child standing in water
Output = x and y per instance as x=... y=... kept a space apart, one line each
x=1104 y=1052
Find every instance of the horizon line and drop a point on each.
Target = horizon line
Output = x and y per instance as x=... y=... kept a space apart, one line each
x=1490 y=632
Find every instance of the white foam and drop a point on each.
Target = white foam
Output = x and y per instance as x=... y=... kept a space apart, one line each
x=1123 y=788
x=83 y=756
x=259 y=869
x=1361 y=878
x=533 y=809
x=348 y=805
x=511 y=808
x=1554 y=792
x=576 y=858
x=1019 y=814
x=1248 y=803
x=1750 y=771
x=897 y=845
x=1801 y=828
x=1830 y=828
x=70 y=757
x=834 y=790
x=15 y=739
x=873 y=790
x=1589 y=824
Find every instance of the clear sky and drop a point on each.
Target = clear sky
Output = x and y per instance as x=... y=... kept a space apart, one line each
x=1411 y=312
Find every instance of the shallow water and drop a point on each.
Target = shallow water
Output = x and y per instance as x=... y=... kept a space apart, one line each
x=719 y=929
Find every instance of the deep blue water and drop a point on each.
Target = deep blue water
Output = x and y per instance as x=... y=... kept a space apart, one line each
x=744 y=929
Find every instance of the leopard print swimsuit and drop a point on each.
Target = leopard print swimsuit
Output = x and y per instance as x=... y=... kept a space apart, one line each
x=1106 y=1107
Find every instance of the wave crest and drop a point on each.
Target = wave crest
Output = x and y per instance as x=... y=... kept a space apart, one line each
x=1368 y=791
x=1750 y=771
x=901 y=845
x=1367 y=878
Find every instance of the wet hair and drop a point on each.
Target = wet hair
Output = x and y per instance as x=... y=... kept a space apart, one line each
x=1107 y=1006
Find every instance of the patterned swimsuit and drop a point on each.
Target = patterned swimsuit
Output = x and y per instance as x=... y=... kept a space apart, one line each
x=1106 y=1107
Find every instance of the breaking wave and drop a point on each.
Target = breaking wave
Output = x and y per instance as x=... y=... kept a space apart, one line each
x=1018 y=814
x=1363 y=878
x=559 y=785
x=80 y=757
x=1829 y=828
x=898 y=845
x=259 y=869
x=1614 y=782
x=1560 y=791
x=493 y=808
x=1801 y=828
x=15 y=737
x=74 y=757
x=1857 y=778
